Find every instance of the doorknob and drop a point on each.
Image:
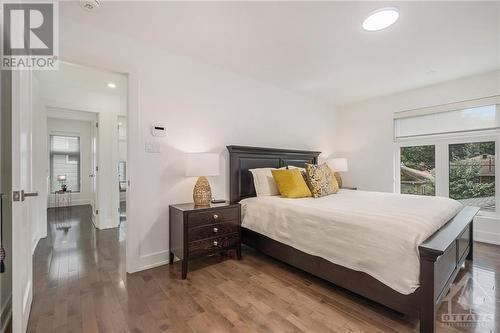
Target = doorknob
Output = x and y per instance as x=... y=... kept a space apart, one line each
x=28 y=194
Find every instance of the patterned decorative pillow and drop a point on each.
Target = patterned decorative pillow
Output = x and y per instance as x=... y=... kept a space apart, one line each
x=320 y=180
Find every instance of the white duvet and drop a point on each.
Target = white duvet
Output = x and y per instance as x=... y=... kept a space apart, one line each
x=376 y=233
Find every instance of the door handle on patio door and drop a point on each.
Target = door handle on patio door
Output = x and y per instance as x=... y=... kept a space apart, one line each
x=28 y=194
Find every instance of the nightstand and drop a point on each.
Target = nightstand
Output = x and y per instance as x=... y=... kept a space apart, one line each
x=200 y=231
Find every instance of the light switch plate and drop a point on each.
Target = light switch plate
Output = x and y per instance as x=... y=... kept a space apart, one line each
x=152 y=147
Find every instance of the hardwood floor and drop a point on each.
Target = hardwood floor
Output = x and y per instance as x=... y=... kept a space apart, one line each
x=81 y=286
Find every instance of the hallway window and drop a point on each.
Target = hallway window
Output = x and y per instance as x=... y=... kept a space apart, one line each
x=65 y=163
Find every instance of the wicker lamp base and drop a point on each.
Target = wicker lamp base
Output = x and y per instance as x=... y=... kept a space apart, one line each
x=338 y=177
x=202 y=193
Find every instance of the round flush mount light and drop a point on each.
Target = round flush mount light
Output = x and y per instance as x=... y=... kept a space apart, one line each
x=90 y=5
x=111 y=85
x=381 y=19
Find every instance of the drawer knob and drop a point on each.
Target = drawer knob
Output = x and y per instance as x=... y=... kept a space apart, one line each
x=216 y=216
x=216 y=243
x=216 y=230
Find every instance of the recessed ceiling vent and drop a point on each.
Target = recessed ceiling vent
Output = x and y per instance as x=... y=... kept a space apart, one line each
x=90 y=5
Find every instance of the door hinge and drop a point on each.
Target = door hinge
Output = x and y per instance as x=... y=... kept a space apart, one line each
x=96 y=168
x=97 y=212
x=96 y=124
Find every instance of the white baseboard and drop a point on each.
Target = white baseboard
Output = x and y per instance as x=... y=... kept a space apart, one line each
x=34 y=241
x=152 y=260
x=74 y=202
x=487 y=237
x=108 y=224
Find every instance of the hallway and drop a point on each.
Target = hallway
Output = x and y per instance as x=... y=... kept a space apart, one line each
x=78 y=273
x=81 y=286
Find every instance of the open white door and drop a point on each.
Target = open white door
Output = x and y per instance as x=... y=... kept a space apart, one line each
x=22 y=263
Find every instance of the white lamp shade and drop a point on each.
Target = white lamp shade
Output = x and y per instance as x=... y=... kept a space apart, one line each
x=338 y=164
x=202 y=164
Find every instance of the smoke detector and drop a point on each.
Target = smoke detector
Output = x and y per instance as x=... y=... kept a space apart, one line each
x=90 y=5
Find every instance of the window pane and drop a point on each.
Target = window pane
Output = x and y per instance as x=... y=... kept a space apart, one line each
x=417 y=170
x=472 y=174
x=65 y=162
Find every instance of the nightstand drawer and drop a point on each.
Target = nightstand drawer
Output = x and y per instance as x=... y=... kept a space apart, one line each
x=213 y=244
x=213 y=216
x=213 y=230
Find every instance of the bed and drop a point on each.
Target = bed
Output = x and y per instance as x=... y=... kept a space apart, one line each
x=438 y=251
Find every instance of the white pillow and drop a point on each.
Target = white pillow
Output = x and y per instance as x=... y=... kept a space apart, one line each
x=264 y=182
x=294 y=167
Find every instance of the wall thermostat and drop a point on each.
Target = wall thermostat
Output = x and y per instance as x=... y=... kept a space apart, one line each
x=158 y=130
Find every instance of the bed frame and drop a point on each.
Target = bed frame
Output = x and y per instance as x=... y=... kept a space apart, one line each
x=441 y=255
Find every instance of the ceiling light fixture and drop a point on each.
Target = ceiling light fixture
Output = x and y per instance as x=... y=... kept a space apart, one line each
x=90 y=5
x=381 y=19
x=111 y=85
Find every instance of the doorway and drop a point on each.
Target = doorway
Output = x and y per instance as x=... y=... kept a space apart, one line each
x=80 y=171
x=33 y=96
x=87 y=108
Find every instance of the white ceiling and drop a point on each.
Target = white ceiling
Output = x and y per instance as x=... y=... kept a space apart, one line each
x=85 y=78
x=316 y=48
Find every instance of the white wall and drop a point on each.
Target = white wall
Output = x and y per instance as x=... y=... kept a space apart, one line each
x=204 y=109
x=81 y=129
x=364 y=132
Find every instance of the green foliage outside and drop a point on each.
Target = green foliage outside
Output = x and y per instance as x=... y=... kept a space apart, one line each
x=467 y=150
x=419 y=157
x=464 y=175
x=464 y=183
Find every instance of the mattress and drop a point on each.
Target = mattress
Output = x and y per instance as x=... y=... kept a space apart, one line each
x=373 y=232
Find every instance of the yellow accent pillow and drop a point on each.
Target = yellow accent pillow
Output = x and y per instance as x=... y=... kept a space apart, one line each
x=291 y=184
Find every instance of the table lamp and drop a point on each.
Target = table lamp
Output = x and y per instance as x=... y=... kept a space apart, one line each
x=338 y=165
x=62 y=181
x=202 y=165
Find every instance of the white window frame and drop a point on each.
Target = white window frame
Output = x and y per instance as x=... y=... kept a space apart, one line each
x=441 y=143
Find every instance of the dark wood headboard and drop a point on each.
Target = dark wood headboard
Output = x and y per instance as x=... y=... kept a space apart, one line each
x=242 y=158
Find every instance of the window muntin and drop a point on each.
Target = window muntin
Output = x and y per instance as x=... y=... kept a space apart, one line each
x=65 y=161
x=417 y=170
